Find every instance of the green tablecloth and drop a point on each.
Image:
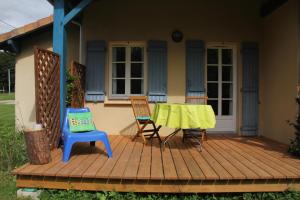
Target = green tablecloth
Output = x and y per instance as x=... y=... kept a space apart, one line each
x=185 y=116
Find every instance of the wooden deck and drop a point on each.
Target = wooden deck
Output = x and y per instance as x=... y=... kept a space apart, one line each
x=226 y=164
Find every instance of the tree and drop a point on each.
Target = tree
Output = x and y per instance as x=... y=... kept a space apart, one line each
x=7 y=61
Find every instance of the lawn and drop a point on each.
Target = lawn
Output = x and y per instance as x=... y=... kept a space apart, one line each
x=7 y=115
x=5 y=96
x=8 y=156
x=12 y=154
x=12 y=149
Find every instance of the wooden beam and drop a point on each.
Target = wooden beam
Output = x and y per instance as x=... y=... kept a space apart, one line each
x=158 y=186
x=270 y=6
x=14 y=45
x=60 y=42
x=298 y=56
x=59 y=46
x=75 y=11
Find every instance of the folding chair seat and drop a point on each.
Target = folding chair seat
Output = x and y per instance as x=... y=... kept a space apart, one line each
x=198 y=134
x=142 y=114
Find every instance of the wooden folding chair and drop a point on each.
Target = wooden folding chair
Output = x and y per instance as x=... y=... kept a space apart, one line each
x=142 y=114
x=197 y=133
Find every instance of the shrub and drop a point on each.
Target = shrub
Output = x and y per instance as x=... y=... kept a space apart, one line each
x=70 y=195
x=294 y=147
x=13 y=152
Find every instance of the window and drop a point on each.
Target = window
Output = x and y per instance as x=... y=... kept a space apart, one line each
x=220 y=80
x=127 y=70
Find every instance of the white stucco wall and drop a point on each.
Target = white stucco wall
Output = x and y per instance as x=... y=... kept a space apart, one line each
x=279 y=71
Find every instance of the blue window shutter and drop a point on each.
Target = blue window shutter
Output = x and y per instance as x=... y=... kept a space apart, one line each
x=157 y=71
x=95 y=72
x=250 y=90
x=195 y=68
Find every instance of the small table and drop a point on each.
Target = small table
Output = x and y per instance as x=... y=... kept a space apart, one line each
x=183 y=116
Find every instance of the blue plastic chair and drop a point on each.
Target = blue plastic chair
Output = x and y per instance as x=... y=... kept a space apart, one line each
x=70 y=138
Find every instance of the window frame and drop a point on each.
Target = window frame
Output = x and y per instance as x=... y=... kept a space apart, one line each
x=223 y=121
x=128 y=77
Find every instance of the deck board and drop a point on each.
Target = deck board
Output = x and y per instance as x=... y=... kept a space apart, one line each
x=226 y=164
x=180 y=165
x=168 y=164
x=208 y=171
x=247 y=173
x=134 y=161
x=272 y=167
x=229 y=167
x=92 y=170
x=91 y=158
x=105 y=171
x=193 y=167
x=71 y=166
x=218 y=168
x=44 y=168
x=121 y=164
x=29 y=169
x=60 y=165
x=284 y=160
x=253 y=158
x=157 y=172
x=258 y=172
x=145 y=163
x=274 y=163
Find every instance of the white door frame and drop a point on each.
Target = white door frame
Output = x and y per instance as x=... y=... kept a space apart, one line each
x=225 y=124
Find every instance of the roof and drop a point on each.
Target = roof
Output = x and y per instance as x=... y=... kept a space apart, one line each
x=27 y=28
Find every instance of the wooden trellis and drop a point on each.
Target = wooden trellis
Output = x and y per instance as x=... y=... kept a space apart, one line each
x=78 y=72
x=47 y=93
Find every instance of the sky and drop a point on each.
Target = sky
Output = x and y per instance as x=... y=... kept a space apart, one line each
x=17 y=13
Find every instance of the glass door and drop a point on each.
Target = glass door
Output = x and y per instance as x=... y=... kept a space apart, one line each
x=220 y=80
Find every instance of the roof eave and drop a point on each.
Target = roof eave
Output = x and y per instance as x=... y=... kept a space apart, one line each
x=28 y=28
x=50 y=1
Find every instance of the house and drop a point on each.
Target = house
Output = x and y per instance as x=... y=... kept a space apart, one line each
x=242 y=54
x=251 y=95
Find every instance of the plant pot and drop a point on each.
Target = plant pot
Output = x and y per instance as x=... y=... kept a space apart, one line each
x=37 y=147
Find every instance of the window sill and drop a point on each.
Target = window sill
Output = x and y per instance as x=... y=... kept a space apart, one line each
x=117 y=102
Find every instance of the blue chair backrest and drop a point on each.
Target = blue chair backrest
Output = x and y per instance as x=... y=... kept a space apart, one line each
x=72 y=110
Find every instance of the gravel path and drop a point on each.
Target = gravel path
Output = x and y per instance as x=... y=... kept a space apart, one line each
x=7 y=102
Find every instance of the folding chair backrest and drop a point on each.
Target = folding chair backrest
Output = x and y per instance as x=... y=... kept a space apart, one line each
x=140 y=107
x=196 y=100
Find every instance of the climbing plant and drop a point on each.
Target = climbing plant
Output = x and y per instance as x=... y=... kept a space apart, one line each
x=75 y=85
x=70 y=87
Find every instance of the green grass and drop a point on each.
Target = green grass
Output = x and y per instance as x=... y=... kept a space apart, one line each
x=12 y=151
x=12 y=145
x=6 y=96
x=7 y=117
x=7 y=186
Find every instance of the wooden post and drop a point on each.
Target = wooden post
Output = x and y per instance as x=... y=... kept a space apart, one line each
x=61 y=19
x=59 y=46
